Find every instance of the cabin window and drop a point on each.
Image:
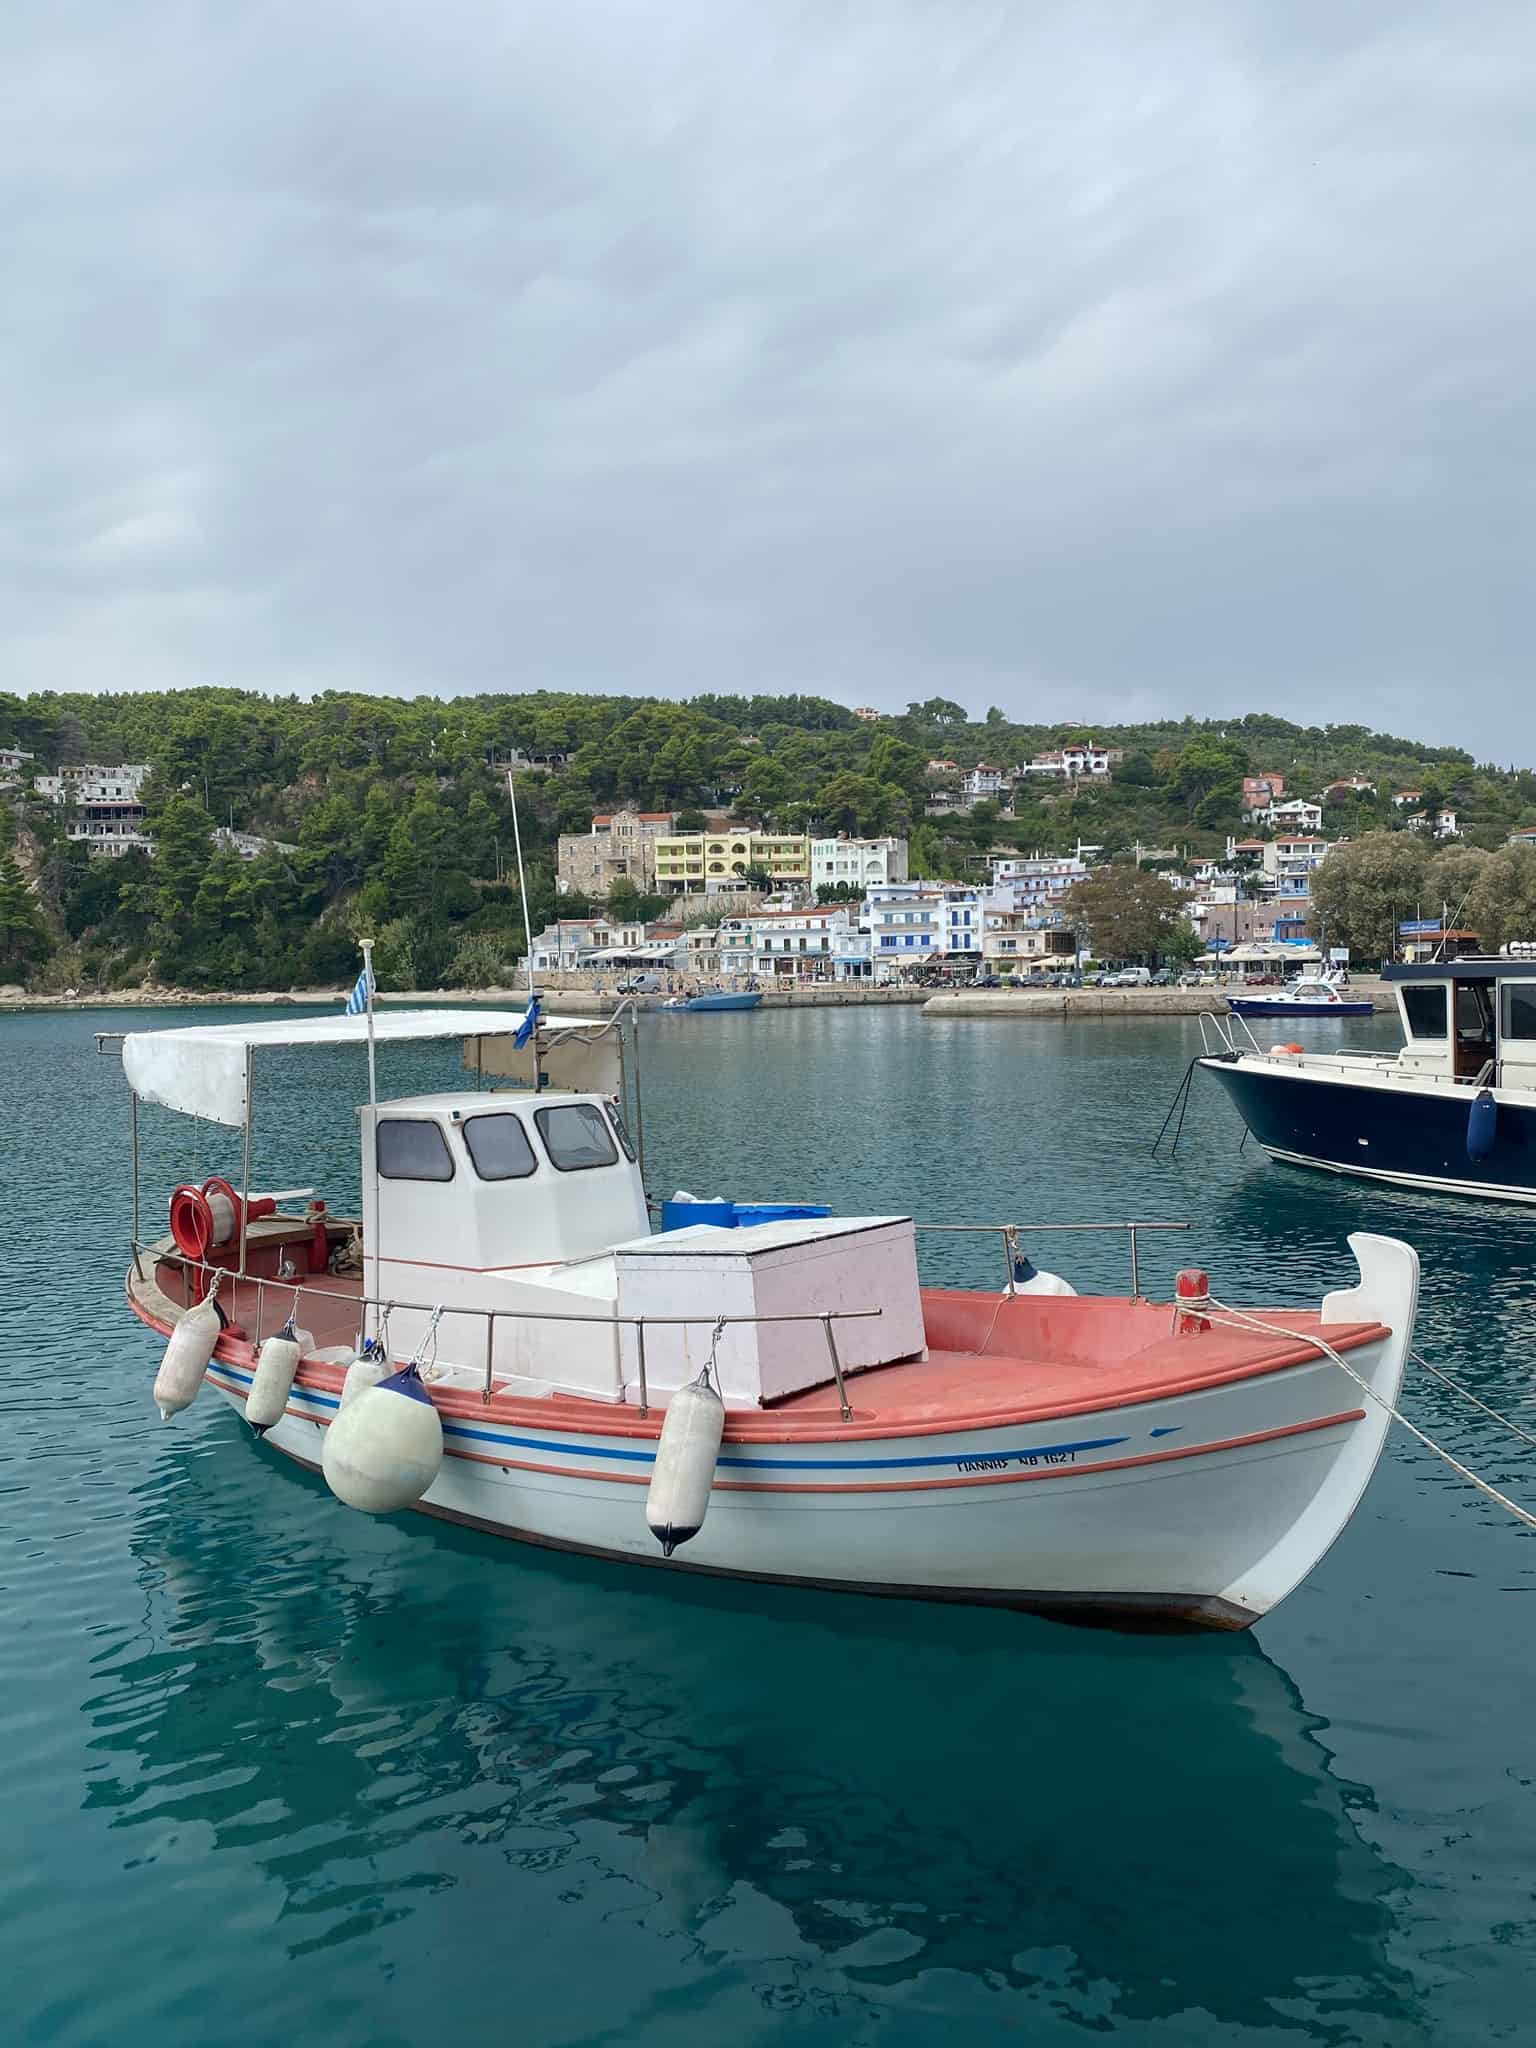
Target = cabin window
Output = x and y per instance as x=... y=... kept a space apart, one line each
x=499 y=1147
x=1519 y=1009
x=409 y=1149
x=620 y=1130
x=576 y=1137
x=1424 y=1007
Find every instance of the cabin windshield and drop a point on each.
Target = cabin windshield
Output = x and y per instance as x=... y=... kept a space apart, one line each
x=1424 y=1007
x=1519 y=1018
x=498 y=1147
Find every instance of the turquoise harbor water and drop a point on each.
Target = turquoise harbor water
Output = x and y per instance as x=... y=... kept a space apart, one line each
x=271 y=1773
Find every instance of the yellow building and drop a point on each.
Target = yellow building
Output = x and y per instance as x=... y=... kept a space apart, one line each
x=696 y=862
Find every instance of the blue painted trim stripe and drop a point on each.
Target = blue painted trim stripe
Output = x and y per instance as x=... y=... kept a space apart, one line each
x=535 y=1443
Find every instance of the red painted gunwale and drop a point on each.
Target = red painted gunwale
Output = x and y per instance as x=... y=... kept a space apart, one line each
x=992 y=1363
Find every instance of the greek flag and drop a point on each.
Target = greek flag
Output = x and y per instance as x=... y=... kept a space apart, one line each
x=529 y=1025
x=361 y=998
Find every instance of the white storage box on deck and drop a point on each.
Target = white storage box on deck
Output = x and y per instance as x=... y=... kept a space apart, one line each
x=801 y=1268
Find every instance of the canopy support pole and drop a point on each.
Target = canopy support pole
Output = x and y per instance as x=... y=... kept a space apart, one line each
x=373 y=1140
x=133 y=1147
x=245 y=1157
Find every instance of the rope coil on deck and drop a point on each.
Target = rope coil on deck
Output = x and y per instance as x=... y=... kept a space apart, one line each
x=1242 y=1319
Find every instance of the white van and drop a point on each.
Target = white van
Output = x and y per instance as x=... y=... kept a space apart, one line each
x=1133 y=977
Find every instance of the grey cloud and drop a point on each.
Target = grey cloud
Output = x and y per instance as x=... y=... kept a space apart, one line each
x=1082 y=359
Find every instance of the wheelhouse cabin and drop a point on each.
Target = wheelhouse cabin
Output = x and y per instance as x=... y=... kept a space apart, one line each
x=1471 y=1020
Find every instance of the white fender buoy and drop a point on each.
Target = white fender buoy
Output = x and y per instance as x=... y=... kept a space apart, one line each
x=273 y=1379
x=1028 y=1278
x=187 y=1354
x=385 y=1447
x=364 y=1372
x=684 y=1471
x=1044 y=1283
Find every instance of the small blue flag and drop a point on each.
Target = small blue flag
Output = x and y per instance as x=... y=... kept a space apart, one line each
x=361 y=996
x=529 y=1025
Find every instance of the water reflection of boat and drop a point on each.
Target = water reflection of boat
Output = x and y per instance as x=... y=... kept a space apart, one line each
x=787 y=1794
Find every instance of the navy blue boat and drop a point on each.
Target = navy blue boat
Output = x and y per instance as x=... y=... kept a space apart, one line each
x=1454 y=1111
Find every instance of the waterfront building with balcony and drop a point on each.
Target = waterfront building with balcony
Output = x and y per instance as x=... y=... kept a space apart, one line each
x=857 y=863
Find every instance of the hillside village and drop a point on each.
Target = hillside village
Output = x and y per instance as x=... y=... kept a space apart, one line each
x=219 y=839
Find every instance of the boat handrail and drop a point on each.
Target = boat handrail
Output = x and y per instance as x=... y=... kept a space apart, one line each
x=1012 y=1232
x=386 y=1305
x=1224 y=1026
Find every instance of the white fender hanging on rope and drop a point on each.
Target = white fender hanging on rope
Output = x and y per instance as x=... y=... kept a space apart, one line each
x=272 y=1383
x=385 y=1447
x=686 y=1454
x=187 y=1354
x=363 y=1373
x=1028 y=1278
x=371 y=1365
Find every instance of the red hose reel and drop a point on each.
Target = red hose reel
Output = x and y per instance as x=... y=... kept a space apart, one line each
x=205 y=1221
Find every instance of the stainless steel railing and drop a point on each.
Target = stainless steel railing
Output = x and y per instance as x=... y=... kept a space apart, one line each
x=386 y=1305
x=1011 y=1233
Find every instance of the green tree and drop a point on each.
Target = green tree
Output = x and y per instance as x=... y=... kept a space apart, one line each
x=1183 y=942
x=1502 y=906
x=1221 y=806
x=1364 y=889
x=1128 y=913
x=1452 y=880
x=24 y=938
x=1206 y=764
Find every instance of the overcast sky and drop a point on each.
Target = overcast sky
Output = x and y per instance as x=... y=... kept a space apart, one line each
x=1086 y=360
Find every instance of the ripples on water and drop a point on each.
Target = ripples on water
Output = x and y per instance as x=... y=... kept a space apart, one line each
x=271 y=1772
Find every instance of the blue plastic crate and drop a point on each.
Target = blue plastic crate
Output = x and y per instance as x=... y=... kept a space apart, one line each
x=681 y=1215
x=779 y=1212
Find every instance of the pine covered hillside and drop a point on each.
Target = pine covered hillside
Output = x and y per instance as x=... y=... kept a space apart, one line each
x=391 y=816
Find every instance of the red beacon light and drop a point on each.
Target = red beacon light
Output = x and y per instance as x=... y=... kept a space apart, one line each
x=1192 y=1298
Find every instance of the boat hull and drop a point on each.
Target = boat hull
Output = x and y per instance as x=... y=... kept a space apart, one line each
x=1410 y=1137
x=1204 y=1509
x=748 y=1001
x=1274 y=1006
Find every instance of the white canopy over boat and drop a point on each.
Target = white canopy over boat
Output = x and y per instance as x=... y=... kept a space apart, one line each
x=1273 y=953
x=201 y=1070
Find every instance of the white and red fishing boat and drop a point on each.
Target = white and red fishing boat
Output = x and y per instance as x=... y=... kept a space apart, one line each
x=500 y=1338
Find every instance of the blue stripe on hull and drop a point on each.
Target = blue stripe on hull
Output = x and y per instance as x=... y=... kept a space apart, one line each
x=1384 y=1134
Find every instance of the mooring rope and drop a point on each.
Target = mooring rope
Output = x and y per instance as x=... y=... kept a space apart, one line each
x=1243 y=1319
x=1466 y=1393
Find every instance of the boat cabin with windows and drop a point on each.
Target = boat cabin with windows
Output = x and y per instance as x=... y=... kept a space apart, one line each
x=1453 y=1110
x=1471 y=1020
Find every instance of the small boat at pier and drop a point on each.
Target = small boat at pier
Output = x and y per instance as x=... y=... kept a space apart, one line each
x=1309 y=995
x=500 y=1338
x=716 y=999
